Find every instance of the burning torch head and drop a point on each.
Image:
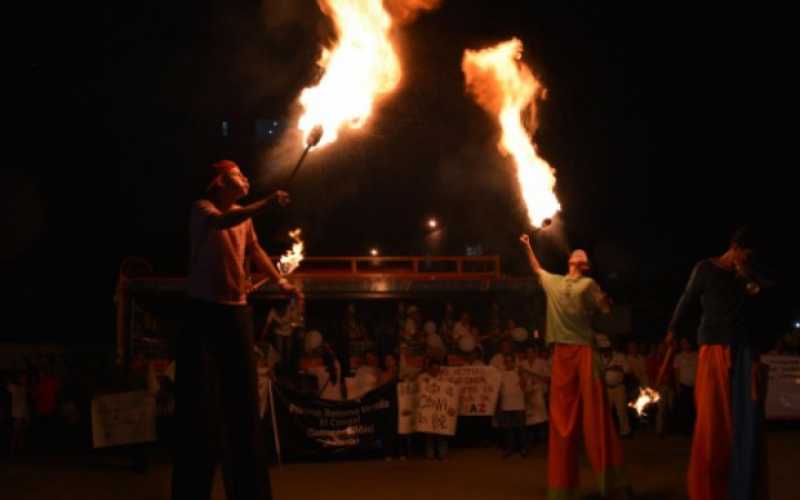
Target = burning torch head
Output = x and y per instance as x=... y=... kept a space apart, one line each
x=314 y=136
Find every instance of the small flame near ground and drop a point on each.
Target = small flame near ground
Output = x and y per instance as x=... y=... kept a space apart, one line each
x=647 y=395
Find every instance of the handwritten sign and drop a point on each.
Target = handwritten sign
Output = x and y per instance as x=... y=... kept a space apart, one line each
x=478 y=388
x=124 y=418
x=783 y=391
x=437 y=407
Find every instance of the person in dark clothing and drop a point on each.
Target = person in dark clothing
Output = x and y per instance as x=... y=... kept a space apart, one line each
x=727 y=460
x=215 y=382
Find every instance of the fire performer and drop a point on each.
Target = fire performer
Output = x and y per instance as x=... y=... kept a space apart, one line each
x=216 y=372
x=728 y=459
x=577 y=390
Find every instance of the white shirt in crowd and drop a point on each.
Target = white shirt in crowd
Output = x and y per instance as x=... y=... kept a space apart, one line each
x=619 y=363
x=539 y=366
x=686 y=365
x=19 y=401
x=511 y=396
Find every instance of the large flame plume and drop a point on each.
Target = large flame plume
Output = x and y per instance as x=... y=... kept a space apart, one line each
x=360 y=67
x=506 y=88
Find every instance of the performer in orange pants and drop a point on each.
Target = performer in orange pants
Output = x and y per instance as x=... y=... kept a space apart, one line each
x=578 y=403
x=711 y=449
x=728 y=459
x=577 y=389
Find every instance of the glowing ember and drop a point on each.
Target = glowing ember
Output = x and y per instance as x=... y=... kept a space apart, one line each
x=360 y=67
x=292 y=258
x=506 y=88
x=646 y=397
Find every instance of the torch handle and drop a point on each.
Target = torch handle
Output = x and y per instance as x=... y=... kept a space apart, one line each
x=297 y=166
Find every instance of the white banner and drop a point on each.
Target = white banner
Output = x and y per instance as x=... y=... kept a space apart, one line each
x=478 y=388
x=783 y=392
x=125 y=418
x=437 y=407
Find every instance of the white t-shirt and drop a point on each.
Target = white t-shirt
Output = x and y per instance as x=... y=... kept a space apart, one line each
x=19 y=401
x=511 y=396
x=539 y=366
x=686 y=365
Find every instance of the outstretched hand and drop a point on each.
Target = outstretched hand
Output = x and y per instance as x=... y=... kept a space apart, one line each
x=282 y=197
x=290 y=289
x=525 y=240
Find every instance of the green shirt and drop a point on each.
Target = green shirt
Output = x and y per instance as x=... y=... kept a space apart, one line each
x=571 y=302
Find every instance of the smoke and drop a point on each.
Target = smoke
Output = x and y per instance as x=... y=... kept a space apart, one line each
x=407 y=11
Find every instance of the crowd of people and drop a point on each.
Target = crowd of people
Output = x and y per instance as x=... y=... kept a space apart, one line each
x=419 y=342
x=41 y=409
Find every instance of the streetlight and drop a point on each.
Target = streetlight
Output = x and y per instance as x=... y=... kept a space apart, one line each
x=433 y=223
x=374 y=252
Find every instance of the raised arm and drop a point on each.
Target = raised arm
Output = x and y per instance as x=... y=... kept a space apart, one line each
x=536 y=267
x=236 y=215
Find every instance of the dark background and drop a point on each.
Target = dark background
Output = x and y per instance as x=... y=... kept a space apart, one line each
x=120 y=111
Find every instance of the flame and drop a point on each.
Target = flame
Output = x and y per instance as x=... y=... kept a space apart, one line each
x=506 y=87
x=646 y=396
x=362 y=66
x=292 y=258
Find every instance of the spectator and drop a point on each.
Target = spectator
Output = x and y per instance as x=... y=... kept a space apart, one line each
x=638 y=366
x=462 y=327
x=20 y=413
x=396 y=446
x=283 y=323
x=435 y=444
x=506 y=347
x=617 y=368
x=448 y=321
x=536 y=369
x=512 y=407
x=368 y=374
x=685 y=366
x=46 y=397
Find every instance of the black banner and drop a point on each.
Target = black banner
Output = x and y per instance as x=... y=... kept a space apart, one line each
x=315 y=428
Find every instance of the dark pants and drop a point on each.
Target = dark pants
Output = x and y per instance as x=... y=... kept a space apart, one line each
x=216 y=405
x=514 y=424
x=685 y=409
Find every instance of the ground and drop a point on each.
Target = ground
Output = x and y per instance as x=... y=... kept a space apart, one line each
x=657 y=468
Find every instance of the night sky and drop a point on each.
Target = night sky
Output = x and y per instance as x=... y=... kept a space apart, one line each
x=121 y=113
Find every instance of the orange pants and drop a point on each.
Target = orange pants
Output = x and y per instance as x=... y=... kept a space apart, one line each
x=578 y=402
x=713 y=431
